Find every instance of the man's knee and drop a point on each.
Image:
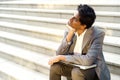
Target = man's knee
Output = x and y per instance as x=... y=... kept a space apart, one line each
x=77 y=72
x=55 y=68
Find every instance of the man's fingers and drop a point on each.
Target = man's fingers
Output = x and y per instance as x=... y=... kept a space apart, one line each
x=50 y=62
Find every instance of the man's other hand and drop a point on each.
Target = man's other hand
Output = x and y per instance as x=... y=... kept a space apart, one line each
x=56 y=59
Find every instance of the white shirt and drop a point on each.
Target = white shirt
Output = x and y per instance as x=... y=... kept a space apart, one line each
x=79 y=41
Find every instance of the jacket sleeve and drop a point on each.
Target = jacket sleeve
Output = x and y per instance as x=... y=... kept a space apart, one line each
x=92 y=54
x=64 y=46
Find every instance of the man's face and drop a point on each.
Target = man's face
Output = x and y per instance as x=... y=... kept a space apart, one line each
x=74 y=21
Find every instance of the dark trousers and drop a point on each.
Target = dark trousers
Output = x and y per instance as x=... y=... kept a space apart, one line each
x=72 y=73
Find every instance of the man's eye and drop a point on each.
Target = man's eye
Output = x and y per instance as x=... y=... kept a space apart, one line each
x=76 y=20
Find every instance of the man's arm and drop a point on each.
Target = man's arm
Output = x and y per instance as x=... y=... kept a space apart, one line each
x=88 y=59
x=70 y=34
x=63 y=48
x=92 y=54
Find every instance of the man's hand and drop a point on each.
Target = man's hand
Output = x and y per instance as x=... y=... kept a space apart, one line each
x=56 y=59
x=70 y=33
x=53 y=60
x=70 y=28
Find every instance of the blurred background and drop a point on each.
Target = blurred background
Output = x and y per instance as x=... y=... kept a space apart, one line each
x=31 y=31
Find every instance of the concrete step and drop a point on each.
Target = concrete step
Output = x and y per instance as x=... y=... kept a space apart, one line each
x=102 y=16
x=33 y=61
x=107 y=16
x=33 y=31
x=112 y=59
x=38 y=21
x=39 y=12
x=12 y=71
x=56 y=23
x=111 y=29
x=63 y=4
x=38 y=45
x=29 y=59
x=111 y=44
x=115 y=77
x=1 y=78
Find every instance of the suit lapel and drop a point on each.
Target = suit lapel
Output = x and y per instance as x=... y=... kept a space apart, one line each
x=87 y=37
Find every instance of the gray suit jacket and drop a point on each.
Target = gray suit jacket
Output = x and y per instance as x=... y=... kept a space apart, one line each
x=91 y=51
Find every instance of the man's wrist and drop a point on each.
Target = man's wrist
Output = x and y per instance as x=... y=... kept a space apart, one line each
x=62 y=57
x=69 y=36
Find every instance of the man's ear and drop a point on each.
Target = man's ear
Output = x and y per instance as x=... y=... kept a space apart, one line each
x=84 y=26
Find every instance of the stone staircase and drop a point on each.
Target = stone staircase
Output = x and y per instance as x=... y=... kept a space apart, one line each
x=30 y=33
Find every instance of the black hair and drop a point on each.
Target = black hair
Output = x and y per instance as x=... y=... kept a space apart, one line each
x=87 y=15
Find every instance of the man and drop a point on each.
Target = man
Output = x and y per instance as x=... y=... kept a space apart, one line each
x=81 y=45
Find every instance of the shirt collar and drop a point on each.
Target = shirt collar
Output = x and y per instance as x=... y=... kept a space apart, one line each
x=81 y=34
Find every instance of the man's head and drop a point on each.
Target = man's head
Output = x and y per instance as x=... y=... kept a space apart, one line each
x=83 y=19
x=87 y=15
